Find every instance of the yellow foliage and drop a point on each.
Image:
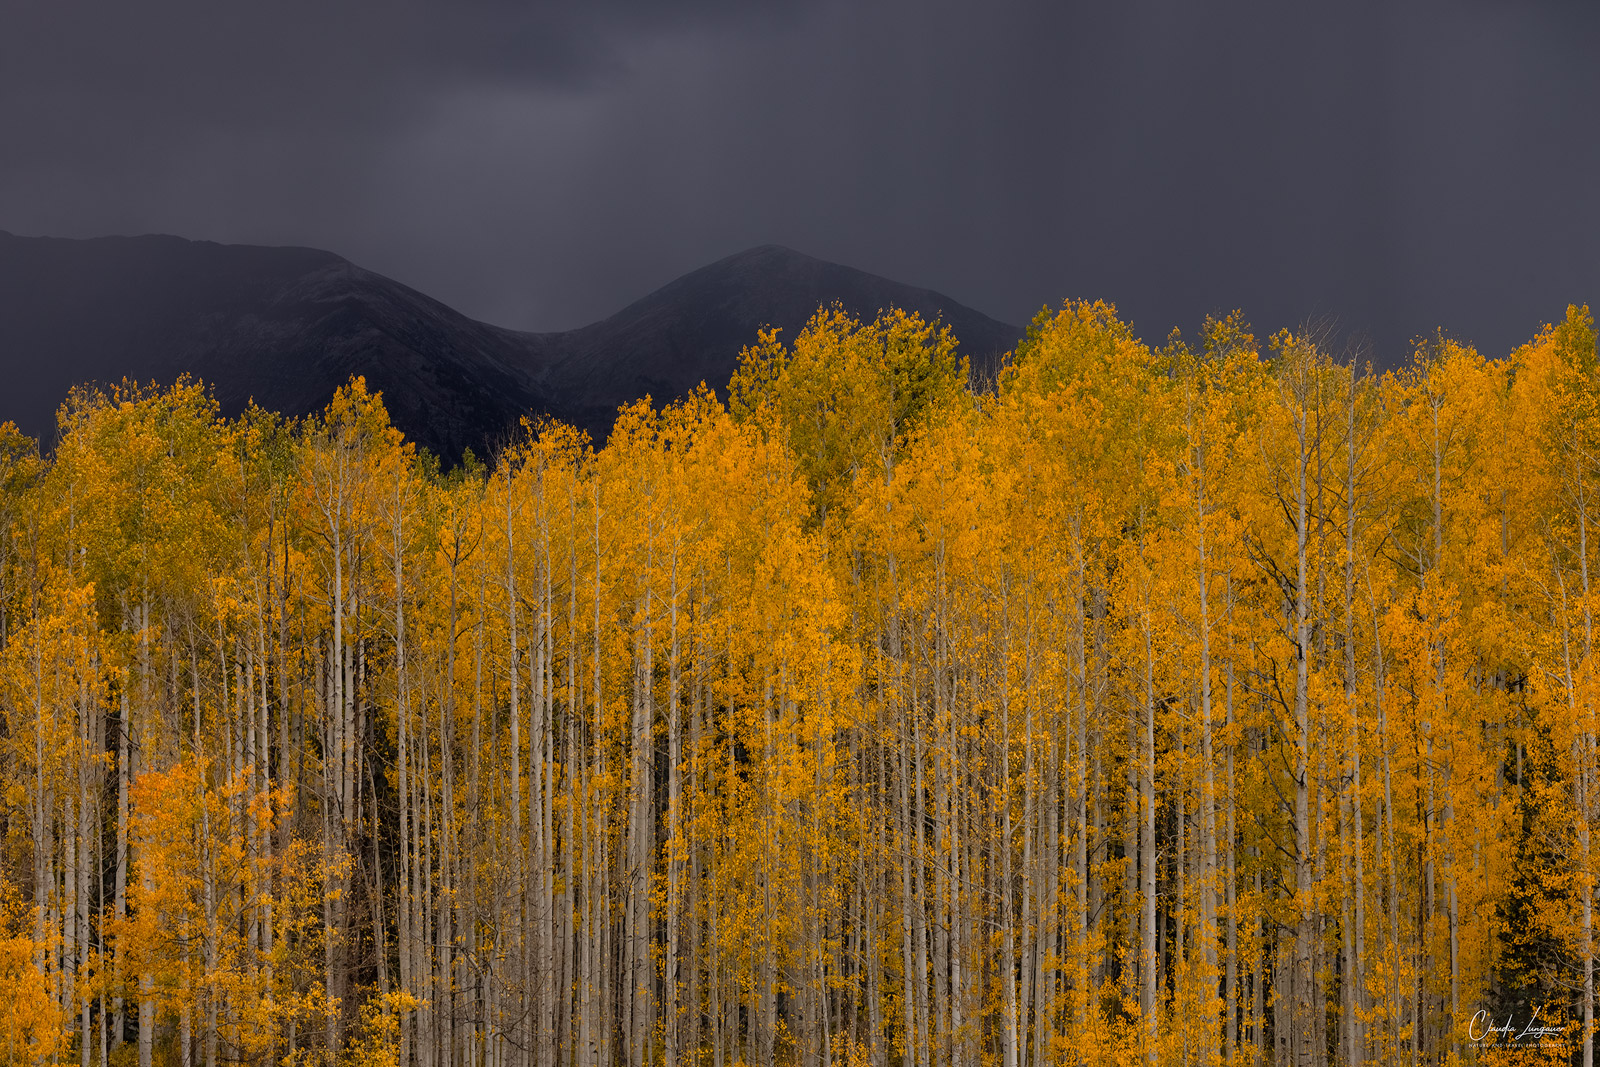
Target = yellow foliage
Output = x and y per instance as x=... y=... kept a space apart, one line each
x=30 y=1021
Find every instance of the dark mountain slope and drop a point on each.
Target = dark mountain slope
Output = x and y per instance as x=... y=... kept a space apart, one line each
x=285 y=326
x=448 y=381
x=692 y=329
x=288 y=326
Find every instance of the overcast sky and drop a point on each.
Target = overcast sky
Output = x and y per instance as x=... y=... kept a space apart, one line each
x=1394 y=167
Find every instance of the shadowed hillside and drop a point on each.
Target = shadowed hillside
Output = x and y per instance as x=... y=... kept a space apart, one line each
x=287 y=326
x=692 y=329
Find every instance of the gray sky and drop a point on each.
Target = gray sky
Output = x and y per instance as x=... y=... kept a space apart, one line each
x=1392 y=166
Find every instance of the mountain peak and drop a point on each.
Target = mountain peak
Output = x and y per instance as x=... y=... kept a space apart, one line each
x=693 y=328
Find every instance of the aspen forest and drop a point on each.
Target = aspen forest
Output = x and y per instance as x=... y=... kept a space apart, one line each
x=1221 y=701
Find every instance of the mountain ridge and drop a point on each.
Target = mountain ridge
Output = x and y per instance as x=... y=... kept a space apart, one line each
x=287 y=325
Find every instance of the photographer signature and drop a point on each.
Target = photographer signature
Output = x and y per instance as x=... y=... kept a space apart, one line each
x=1482 y=1026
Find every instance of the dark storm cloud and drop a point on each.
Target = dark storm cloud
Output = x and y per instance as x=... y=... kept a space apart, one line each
x=1393 y=167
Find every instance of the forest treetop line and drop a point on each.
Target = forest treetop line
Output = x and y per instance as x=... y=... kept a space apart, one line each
x=985 y=382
